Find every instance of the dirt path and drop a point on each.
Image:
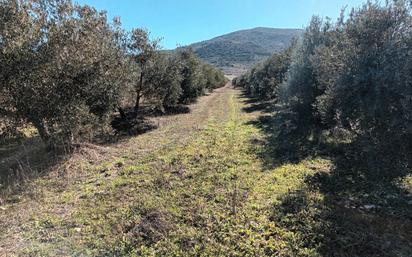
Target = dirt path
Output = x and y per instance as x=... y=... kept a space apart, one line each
x=200 y=185
x=59 y=195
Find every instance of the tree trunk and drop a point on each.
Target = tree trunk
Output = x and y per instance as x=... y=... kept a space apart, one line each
x=44 y=134
x=122 y=113
x=137 y=105
x=139 y=93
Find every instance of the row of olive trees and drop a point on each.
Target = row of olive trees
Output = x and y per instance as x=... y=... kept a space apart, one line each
x=167 y=79
x=352 y=76
x=64 y=69
x=264 y=79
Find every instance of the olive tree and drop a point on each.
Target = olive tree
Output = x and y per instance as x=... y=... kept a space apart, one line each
x=61 y=67
x=265 y=78
x=143 y=51
x=164 y=81
x=370 y=90
x=214 y=78
x=193 y=82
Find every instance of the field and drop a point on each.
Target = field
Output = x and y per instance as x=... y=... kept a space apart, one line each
x=205 y=184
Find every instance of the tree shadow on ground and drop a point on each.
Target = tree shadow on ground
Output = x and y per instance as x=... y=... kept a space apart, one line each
x=254 y=104
x=347 y=210
x=26 y=159
x=148 y=111
x=129 y=123
x=379 y=204
x=23 y=160
x=360 y=214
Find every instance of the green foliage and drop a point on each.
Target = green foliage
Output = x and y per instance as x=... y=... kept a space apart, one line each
x=264 y=80
x=197 y=76
x=165 y=81
x=213 y=77
x=370 y=94
x=192 y=83
x=144 y=53
x=351 y=77
x=61 y=67
x=64 y=69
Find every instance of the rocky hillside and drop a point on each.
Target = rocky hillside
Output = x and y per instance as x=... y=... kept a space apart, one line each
x=237 y=51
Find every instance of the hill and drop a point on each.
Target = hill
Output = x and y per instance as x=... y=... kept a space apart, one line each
x=238 y=51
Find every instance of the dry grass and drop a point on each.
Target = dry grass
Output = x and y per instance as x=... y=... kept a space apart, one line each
x=198 y=186
x=62 y=176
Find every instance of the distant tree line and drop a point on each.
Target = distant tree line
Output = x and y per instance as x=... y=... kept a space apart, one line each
x=65 y=70
x=352 y=77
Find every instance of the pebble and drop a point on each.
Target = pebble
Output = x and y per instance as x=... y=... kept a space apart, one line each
x=369 y=206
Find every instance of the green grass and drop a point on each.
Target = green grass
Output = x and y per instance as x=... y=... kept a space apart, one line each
x=208 y=195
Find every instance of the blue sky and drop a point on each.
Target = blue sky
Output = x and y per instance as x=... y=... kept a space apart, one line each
x=181 y=22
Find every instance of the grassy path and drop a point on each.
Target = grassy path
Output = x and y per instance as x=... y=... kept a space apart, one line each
x=195 y=187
